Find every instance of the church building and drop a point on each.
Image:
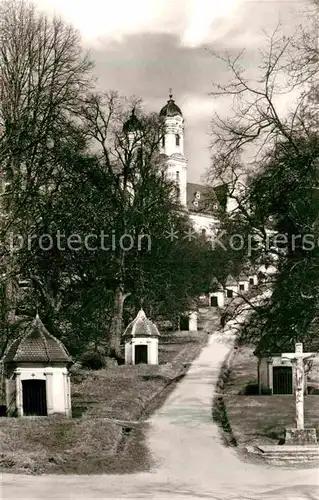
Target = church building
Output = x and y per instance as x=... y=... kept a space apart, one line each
x=202 y=202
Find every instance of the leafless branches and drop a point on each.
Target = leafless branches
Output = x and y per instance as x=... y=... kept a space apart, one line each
x=268 y=107
x=44 y=77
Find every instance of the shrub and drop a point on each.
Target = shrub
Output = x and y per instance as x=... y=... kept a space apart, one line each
x=93 y=360
x=251 y=389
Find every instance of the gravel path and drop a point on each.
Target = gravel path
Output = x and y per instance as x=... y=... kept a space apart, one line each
x=190 y=461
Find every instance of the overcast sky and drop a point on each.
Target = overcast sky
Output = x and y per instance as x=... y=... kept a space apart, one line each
x=144 y=47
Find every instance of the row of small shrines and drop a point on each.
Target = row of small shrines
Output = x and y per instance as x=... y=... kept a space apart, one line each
x=276 y=372
x=233 y=287
x=36 y=365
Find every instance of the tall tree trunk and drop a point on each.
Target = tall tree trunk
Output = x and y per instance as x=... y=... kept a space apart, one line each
x=117 y=322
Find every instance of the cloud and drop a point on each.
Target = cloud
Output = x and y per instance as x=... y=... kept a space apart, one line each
x=145 y=47
x=190 y=20
x=95 y=17
x=208 y=20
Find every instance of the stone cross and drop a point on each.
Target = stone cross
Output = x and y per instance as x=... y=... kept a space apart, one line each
x=297 y=359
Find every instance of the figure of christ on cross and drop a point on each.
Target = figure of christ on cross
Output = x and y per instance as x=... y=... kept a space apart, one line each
x=298 y=357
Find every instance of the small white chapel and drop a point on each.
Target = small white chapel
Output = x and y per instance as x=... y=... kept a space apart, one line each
x=36 y=374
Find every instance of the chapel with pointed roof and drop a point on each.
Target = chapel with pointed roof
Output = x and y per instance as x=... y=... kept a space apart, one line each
x=141 y=341
x=36 y=371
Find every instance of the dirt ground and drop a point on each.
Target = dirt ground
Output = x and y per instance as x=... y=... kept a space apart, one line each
x=100 y=438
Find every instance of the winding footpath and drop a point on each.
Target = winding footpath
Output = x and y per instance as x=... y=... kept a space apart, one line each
x=190 y=461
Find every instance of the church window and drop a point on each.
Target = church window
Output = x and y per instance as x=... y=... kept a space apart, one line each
x=177 y=176
x=177 y=138
x=163 y=141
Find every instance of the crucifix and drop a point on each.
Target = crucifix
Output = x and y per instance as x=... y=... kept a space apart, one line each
x=298 y=357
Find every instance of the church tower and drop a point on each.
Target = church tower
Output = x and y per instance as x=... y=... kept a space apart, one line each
x=131 y=143
x=172 y=146
x=132 y=130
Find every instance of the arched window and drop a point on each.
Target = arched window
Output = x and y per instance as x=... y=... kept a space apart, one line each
x=163 y=141
x=177 y=138
x=177 y=175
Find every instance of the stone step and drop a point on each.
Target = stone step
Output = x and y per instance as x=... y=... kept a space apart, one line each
x=287 y=454
x=288 y=449
x=292 y=454
x=292 y=463
x=275 y=455
x=292 y=457
x=287 y=457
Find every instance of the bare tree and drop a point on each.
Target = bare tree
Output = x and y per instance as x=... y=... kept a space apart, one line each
x=144 y=203
x=275 y=120
x=128 y=150
x=44 y=77
x=287 y=73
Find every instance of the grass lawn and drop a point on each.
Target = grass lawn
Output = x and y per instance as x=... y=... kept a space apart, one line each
x=260 y=419
x=91 y=443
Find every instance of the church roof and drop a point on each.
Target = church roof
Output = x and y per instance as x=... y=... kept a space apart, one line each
x=133 y=124
x=231 y=281
x=216 y=286
x=192 y=305
x=37 y=345
x=243 y=277
x=205 y=199
x=170 y=109
x=141 y=326
x=251 y=271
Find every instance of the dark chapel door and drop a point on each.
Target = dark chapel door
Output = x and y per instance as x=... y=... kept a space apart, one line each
x=213 y=301
x=184 y=323
x=34 y=397
x=141 y=354
x=282 y=380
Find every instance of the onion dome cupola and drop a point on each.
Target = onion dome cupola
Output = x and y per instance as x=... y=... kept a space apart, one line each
x=133 y=124
x=170 y=109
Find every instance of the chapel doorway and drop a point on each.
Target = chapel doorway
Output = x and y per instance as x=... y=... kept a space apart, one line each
x=184 y=323
x=282 y=380
x=34 y=397
x=141 y=354
x=213 y=301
